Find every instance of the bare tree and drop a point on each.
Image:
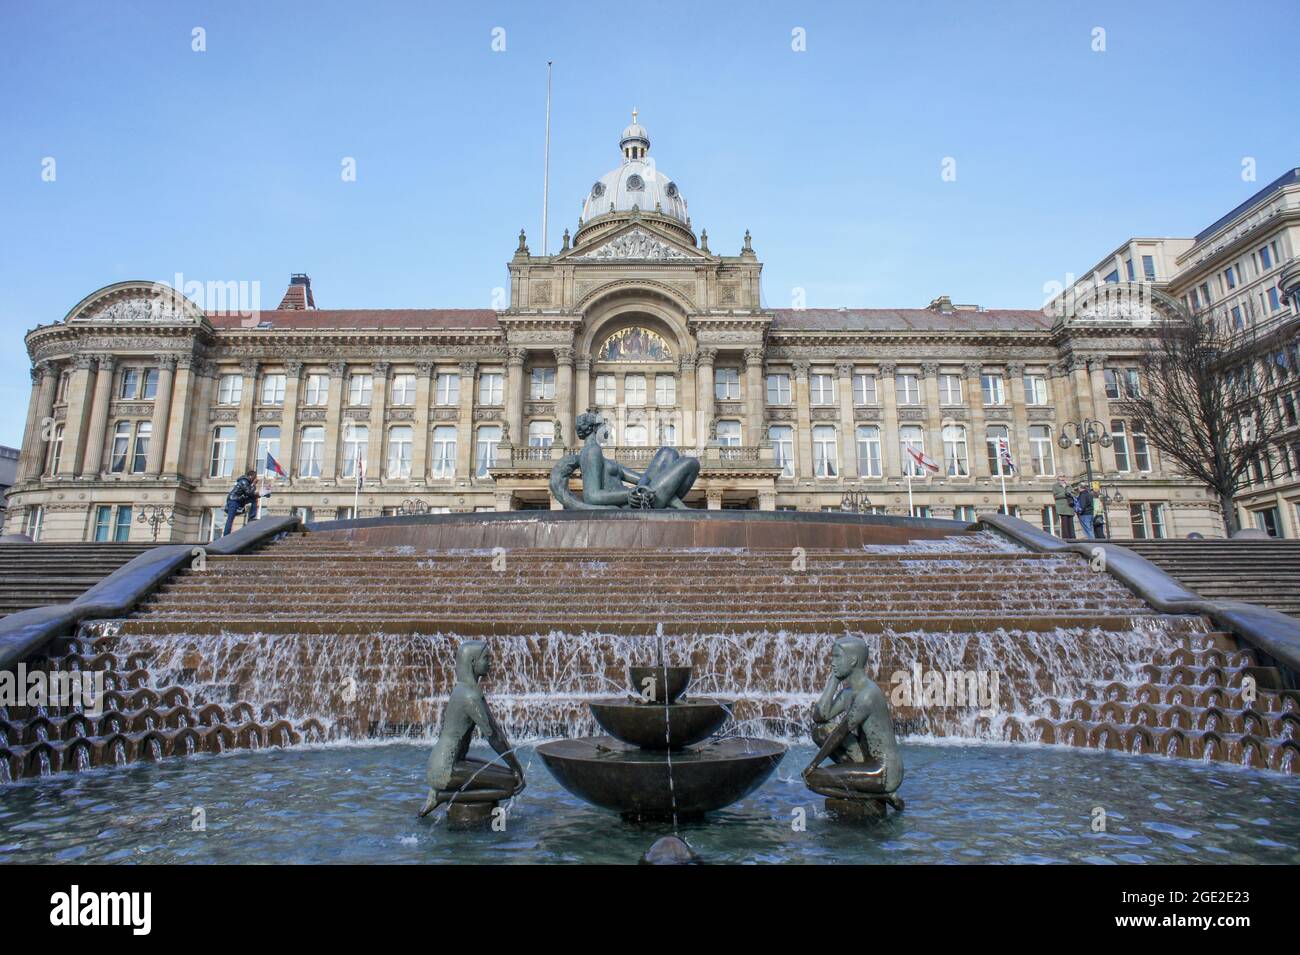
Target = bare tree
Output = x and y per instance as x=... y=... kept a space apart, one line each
x=1205 y=399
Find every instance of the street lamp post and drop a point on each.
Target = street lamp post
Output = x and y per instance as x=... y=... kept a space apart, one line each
x=1109 y=494
x=1084 y=434
x=855 y=501
x=155 y=515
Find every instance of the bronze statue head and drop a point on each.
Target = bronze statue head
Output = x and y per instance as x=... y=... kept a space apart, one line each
x=847 y=655
x=472 y=661
x=588 y=423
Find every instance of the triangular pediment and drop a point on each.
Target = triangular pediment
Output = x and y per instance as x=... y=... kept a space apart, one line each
x=636 y=242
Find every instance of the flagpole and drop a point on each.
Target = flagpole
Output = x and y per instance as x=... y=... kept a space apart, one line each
x=546 y=161
x=911 y=511
x=1003 y=474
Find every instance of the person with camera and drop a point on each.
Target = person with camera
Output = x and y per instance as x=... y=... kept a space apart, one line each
x=243 y=495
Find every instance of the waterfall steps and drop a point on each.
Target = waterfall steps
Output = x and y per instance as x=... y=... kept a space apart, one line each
x=315 y=637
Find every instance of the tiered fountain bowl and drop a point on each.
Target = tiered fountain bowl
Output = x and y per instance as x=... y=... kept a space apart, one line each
x=658 y=760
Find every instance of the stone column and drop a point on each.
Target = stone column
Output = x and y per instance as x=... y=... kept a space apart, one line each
x=581 y=390
x=803 y=415
x=755 y=433
x=564 y=393
x=92 y=462
x=197 y=458
x=688 y=399
x=1066 y=410
x=1097 y=380
x=420 y=421
x=178 y=420
x=515 y=392
x=378 y=402
x=1082 y=388
x=704 y=393
x=289 y=418
x=162 y=411
x=244 y=427
x=889 y=450
x=978 y=431
x=40 y=422
x=934 y=417
x=1020 y=421
x=848 y=435
x=329 y=466
x=465 y=424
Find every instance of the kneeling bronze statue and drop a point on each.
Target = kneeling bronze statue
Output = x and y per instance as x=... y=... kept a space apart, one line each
x=866 y=766
x=471 y=787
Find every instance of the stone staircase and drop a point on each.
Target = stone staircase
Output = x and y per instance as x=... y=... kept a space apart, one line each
x=316 y=637
x=38 y=575
x=1264 y=572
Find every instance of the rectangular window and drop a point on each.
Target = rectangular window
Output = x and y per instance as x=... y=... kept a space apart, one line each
x=444 y=452
x=1149 y=268
x=1128 y=269
x=1265 y=258
x=103 y=522
x=907 y=390
x=541 y=434
x=149 y=384
x=268 y=442
x=403 y=389
x=635 y=436
x=447 y=388
x=312 y=452
x=140 y=451
x=1036 y=390
x=56 y=450
x=778 y=389
x=729 y=434
x=121 y=446
x=726 y=384
x=222 y=460
x=1112 y=383
x=825 y=454
x=491 y=388
x=822 y=389
x=273 y=390
x=634 y=390
x=782 y=438
x=606 y=390
x=995 y=434
x=864 y=389
x=130 y=383
x=964 y=512
x=230 y=389
x=318 y=389
x=360 y=388
x=955 y=459
x=356 y=444
x=1040 y=450
x=1141 y=451
x=665 y=391
x=399 y=452
x=868 y=444
x=1230 y=277
x=950 y=390
x=991 y=389
x=911 y=436
x=122 y=525
x=541 y=384
x=1119 y=445
x=489 y=436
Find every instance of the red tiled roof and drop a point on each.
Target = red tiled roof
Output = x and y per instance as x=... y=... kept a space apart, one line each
x=907 y=319
x=412 y=318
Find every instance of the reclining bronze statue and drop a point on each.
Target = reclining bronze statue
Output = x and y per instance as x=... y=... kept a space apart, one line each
x=471 y=787
x=607 y=485
x=866 y=766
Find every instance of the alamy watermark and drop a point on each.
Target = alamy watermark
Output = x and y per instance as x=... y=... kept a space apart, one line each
x=40 y=689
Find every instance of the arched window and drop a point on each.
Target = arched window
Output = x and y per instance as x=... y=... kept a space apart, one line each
x=634 y=344
x=399 y=451
x=956 y=463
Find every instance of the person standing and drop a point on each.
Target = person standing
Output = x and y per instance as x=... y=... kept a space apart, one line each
x=1064 y=507
x=1083 y=503
x=242 y=495
x=1098 y=513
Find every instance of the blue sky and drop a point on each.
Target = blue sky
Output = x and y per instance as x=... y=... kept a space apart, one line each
x=224 y=165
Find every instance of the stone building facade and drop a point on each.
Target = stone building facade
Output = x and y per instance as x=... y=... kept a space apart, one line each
x=143 y=403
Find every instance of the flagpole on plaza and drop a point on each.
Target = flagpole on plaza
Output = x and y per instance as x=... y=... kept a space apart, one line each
x=1002 y=472
x=356 y=493
x=910 y=510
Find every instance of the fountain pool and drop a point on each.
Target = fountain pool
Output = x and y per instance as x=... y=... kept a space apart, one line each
x=357 y=803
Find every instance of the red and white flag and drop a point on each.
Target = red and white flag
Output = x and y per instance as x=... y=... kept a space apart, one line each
x=923 y=459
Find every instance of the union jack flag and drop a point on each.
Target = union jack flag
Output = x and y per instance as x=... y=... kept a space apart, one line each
x=1004 y=455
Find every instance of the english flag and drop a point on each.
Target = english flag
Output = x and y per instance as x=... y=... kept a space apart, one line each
x=923 y=459
x=273 y=466
x=1004 y=454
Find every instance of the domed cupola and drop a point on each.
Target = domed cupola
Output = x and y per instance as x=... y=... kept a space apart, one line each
x=636 y=186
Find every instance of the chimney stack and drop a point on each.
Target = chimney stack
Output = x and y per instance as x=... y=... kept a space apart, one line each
x=298 y=296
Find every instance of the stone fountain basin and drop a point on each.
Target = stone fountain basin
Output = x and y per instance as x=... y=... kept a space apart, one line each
x=614 y=775
x=656 y=726
x=669 y=682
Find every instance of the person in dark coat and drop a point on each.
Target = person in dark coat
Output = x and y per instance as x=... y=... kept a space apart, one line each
x=1083 y=502
x=242 y=495
x=1064 y=508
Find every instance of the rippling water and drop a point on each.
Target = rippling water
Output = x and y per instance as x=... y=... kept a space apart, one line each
x=357 y=804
